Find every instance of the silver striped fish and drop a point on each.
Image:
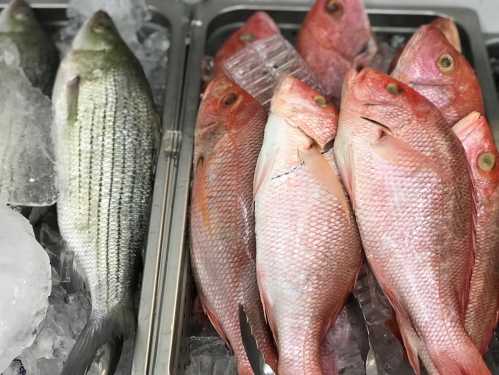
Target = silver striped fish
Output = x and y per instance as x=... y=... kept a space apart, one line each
x=106 y=135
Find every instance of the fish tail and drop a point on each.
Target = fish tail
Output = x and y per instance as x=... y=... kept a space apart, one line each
x=465 y=361
x=106 y=332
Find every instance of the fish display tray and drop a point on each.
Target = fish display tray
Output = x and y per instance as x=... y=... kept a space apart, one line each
x=212 y=22
x=174 y=15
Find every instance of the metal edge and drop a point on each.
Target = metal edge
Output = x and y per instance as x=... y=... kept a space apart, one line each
x=156 y=257
x=177 y=17
x=172 y=305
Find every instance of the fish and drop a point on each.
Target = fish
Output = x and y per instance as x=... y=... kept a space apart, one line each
x=481 y=314
x=308 y=251
x=432 y=66
x=259 y=26
x=407 y=176
x=107 y=134
x=38 y=57
x=335 y=36
x=228 y=138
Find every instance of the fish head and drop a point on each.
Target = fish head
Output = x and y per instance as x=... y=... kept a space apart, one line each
x=225 y=113
x=305 y=109
x=341 y=25
x=476 y=137
x=18 y=17
x=449 y=28
x=98 y=33
x=382 y=104
x=435 y=68
x=259 y=26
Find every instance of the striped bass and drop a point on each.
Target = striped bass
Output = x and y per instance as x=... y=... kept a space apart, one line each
x=106 y=132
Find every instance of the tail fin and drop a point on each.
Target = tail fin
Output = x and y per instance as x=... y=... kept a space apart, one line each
x=106 y=332
x=468 y=361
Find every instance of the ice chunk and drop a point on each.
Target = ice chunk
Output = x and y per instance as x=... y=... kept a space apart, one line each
x=387 y=349
x=25 y=283
x=345 y=348
x=258 y=67
x=209 y=356
x=146 y=36
x=26 y=150
x=66 y=317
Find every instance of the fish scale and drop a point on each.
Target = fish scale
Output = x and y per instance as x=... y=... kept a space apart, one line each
x=107 y=133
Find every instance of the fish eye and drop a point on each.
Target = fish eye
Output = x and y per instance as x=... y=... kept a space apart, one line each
x=229 y=99
x=486 y=161
x=334 y=7
x=445 y=63
x=393 y=88
x=320 y=101
x=247 y=37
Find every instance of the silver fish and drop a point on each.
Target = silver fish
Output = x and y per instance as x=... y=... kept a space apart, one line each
x=106 y=131
x=38 y=56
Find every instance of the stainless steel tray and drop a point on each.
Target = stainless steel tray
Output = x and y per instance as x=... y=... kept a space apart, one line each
x=213 y=20
x=175 y=16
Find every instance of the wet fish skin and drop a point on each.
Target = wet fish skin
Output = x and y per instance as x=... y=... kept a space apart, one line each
x=395 y=145
x=38 y=55
x=308 y=246
x=336 y=35
x=229 y=134
x=431 y=65
x=106 y=131
x=481 y=314
x=259 y=26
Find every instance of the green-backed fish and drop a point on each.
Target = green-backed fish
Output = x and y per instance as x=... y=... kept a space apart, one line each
x=106 y=132
x=38 y=56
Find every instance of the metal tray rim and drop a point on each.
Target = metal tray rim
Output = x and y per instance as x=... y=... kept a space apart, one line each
x=204 y=13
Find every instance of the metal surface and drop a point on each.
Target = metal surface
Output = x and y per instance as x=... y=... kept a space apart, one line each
x=212 y=22
x=175 y=16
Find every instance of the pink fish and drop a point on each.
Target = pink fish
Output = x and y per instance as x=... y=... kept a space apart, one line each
x=407 y=176
x=229 y=134
x=308 y=246
x=481 y=314
x=336 y=35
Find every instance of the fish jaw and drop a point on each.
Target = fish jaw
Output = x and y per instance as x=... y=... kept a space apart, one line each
x=450 y=30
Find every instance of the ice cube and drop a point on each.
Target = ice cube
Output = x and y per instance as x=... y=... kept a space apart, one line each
x=25 y=283
x=209 y=356
x=26 y=152
x=258 y=67
x=9 y=54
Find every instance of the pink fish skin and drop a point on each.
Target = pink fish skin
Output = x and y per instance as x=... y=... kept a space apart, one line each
x=407 y=176
x=432 y=66
x=229 y=134
x=259 y=26
x=336 y=35
x=308 y=246
x=481 y=314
